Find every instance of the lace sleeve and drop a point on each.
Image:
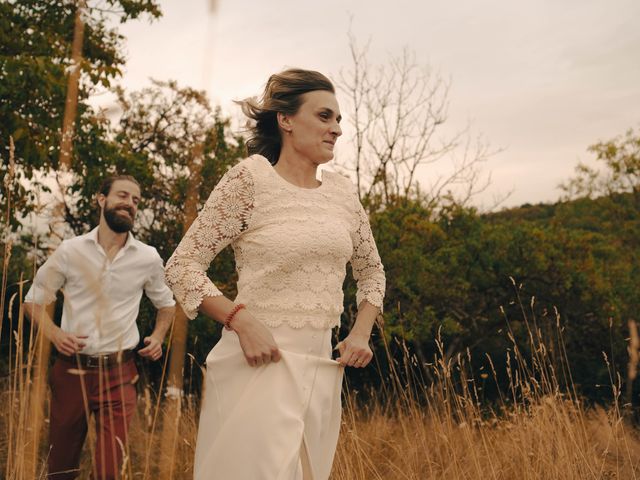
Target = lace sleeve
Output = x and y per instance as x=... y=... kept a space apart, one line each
x=365 y=262
x=223 y=218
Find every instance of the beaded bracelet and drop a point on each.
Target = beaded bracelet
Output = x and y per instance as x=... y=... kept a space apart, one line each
x=232 y=314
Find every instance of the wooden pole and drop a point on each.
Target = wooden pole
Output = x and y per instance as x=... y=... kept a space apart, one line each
x=43 y=345
x=173 y=404
x=71 y=102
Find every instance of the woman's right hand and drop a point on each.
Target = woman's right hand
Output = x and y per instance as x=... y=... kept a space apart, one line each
x=256 y=340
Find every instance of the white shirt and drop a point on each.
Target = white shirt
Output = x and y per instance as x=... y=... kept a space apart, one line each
x=101 y=298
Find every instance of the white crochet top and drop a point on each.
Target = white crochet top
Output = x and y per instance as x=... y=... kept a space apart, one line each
x=291 y=247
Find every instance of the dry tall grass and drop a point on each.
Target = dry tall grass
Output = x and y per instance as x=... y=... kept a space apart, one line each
x=444 y=432
x=408 y=430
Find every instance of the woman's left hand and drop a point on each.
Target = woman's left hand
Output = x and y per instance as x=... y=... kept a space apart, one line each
x=354 y=351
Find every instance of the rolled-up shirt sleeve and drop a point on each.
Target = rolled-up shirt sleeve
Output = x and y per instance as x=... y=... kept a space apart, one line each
x=224 y=217
x=50 y=278
x=156 y=288
x=366 y=264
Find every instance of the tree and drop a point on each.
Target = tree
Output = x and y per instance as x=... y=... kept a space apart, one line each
x=397 y=111
x=178 y=146
x=609 y=201
x=165 y=130
x=35 y=44
x=621 y=159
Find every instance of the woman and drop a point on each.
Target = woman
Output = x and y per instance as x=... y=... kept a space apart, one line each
x=271 y=408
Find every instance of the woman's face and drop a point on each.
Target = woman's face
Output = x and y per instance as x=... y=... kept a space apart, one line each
x=313 y=130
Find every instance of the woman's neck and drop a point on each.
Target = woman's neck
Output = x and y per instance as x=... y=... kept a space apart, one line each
x=297 y=170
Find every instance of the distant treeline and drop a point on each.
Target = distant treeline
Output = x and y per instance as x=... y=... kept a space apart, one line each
x=567 y=272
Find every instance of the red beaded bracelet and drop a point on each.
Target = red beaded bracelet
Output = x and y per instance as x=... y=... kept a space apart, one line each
x=232 y=314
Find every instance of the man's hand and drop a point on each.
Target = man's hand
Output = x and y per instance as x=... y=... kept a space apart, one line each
x=153 y=349
x=354 y=351
x=67 y=343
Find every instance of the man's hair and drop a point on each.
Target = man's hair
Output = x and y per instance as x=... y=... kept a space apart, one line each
x=108 y=182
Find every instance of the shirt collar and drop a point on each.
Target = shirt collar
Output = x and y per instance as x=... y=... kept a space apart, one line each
x=93 y=236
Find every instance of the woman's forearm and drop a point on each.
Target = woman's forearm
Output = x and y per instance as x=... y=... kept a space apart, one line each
x=217 y=307
x=365 y=320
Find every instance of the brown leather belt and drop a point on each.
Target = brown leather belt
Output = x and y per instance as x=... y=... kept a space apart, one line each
x=107 y=360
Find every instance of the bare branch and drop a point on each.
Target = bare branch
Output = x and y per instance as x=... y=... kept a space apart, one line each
x=397 y=110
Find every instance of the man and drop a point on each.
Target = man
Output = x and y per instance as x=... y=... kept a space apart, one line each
x=103 y=274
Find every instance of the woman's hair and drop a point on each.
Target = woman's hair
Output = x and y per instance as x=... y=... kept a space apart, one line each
x=282 y=94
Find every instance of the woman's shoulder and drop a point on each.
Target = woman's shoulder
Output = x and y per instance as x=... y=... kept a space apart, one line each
x=248 y=169
x=343 y=183
x=247 y=163
x=255 y=165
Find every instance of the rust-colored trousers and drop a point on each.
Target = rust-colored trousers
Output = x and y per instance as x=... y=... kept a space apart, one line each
x=76 y=393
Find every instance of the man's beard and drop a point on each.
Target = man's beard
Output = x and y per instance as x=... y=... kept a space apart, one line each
x=118 y=222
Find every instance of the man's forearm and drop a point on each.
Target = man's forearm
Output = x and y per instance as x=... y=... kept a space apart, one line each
x=164 y=319
x=38 y=313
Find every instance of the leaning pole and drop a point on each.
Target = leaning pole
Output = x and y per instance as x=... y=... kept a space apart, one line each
x=43 y=345
x=173 y=403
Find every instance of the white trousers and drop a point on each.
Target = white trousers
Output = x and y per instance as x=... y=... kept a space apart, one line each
x=276 y=422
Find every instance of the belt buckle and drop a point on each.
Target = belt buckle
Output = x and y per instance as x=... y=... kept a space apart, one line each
x=94 y=360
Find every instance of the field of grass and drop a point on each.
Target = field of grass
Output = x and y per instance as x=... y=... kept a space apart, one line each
x=409 y=429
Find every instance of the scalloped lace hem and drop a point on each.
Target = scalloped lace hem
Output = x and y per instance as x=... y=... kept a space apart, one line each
x=296 y=319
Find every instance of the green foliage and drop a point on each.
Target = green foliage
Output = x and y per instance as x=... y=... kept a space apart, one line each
x=164 y=131
x=156 y=140
x=35 y=50
x=621 y=162
x=470 y=279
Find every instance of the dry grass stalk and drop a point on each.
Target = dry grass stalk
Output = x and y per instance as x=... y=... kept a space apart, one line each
x=6 y=240
x=36 y=385
x=634 y=357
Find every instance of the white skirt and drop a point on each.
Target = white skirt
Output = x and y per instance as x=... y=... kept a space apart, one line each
x=276 y=422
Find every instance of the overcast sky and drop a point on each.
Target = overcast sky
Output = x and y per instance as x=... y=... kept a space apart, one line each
x=540 y=79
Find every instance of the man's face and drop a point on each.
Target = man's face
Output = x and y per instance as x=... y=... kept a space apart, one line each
x=120 y=206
